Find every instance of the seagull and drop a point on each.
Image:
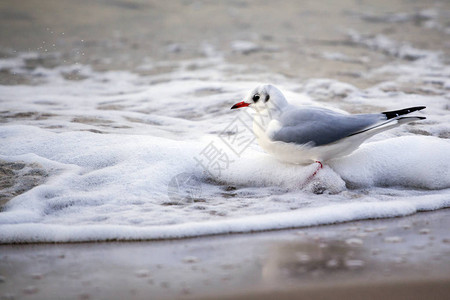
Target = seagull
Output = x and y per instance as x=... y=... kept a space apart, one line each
x=308 y=134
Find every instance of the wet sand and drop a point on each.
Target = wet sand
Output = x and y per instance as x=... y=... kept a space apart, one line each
x=408 y=290
x=403 y=258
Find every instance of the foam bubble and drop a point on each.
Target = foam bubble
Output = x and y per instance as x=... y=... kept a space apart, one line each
x=411 y=161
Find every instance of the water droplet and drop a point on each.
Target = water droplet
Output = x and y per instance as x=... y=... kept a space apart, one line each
x=393 y=239
x=354 y=263
x=354 y=228
x=354 y=242
x=303 y=257
x=332 y=263
x=399 y=260
x=323 y=246
x=376 y=251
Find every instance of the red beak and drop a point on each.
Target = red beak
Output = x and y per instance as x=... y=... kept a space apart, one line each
x=240 y=104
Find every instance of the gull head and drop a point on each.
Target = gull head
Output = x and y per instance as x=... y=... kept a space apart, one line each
x=263 y=98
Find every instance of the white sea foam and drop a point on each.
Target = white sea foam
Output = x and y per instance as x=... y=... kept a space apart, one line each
x=112 y=142
x=386 y=45
x=306 y=217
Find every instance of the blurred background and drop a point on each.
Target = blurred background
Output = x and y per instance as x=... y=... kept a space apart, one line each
x=297 y=39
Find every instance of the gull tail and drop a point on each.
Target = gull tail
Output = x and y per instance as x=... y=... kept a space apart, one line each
x=393 y=119
x=403 y=120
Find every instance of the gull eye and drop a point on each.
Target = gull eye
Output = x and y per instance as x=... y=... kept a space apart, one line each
x=255 y=98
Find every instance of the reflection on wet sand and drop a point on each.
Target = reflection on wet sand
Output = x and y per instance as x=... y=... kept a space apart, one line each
x=310 y=258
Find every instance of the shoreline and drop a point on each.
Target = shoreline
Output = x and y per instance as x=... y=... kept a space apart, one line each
x=225 y=234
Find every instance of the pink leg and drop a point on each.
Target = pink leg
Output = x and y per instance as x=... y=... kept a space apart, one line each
x=315 y=172
x=320 y=167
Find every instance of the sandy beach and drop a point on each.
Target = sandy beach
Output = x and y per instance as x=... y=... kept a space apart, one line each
x=402 y=258
x=153 y=42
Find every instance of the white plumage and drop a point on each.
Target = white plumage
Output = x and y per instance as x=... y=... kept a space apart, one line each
x=306 y=134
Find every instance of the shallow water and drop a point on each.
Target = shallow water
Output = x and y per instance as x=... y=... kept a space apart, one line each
x=122 y=127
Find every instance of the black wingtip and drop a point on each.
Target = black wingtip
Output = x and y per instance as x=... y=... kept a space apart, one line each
x=405 y=111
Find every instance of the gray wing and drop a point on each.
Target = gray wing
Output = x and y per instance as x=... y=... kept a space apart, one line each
x=321 y=126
